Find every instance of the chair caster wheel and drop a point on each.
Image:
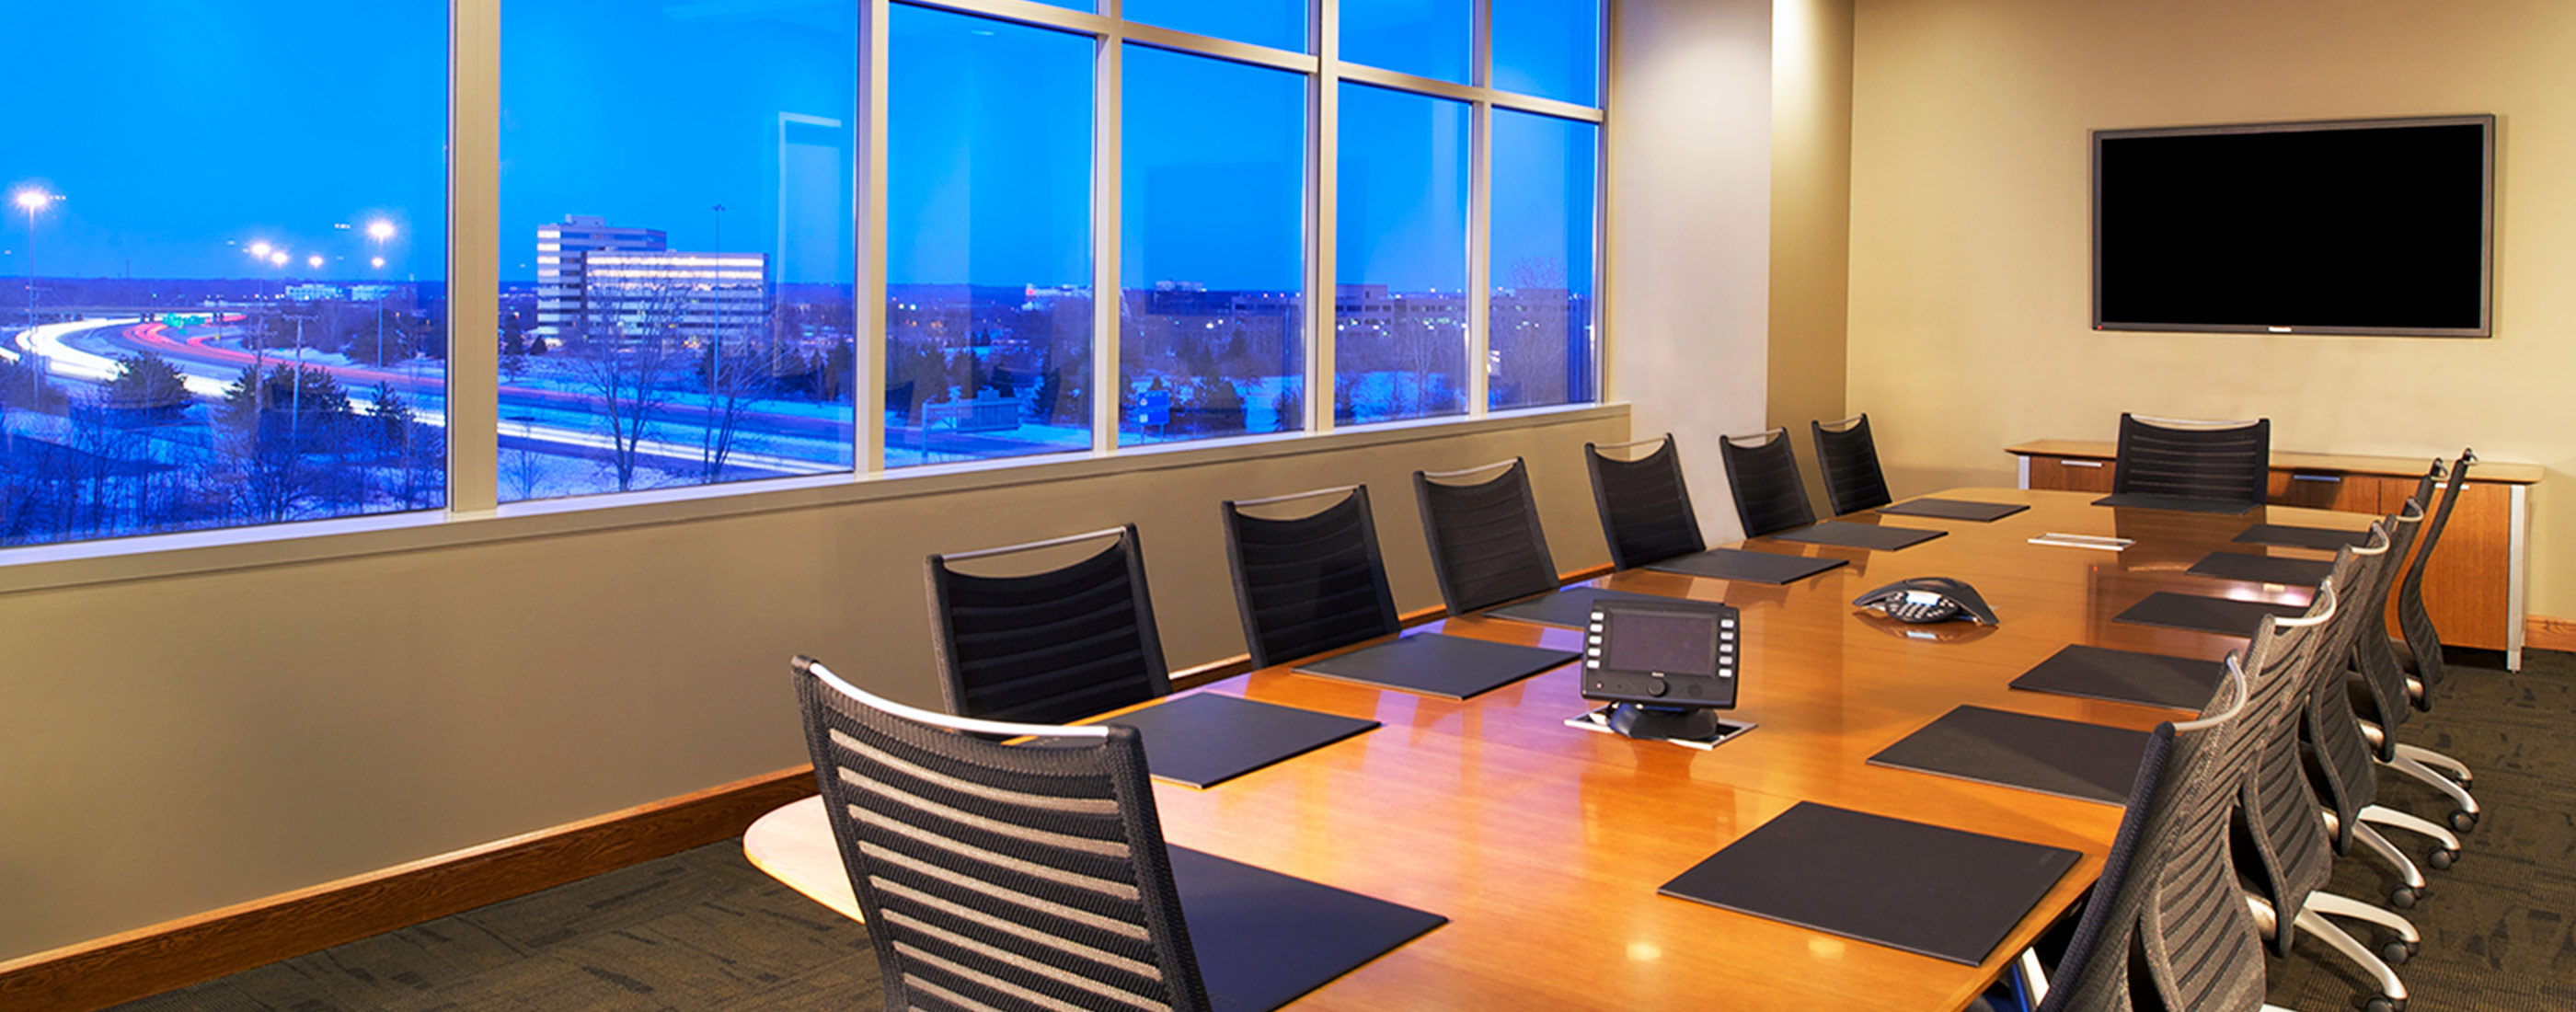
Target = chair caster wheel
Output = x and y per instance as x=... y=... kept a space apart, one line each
x=2464 y=821
x=2395 y=953
x=2383 y=1005
x=2403 y=898
x=2442 y=859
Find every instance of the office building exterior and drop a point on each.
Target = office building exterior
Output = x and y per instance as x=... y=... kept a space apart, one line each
x=628 y=280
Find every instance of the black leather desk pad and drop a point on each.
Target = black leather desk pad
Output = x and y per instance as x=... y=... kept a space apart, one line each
x=2319 y=538
x=2224 y=616
x=1435 y=665
x=1955 y=509
x=2125 y=676
x=2070 y=759
x=1752 y=567
x=2262 y=569
x=1206 y=739
x=1264 y=939
x=1570 y=608
x=1869 y=536
x=1932 y=890
x=2182 y=503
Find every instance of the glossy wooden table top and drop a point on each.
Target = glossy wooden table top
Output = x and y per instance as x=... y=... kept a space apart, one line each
x=1544 y=844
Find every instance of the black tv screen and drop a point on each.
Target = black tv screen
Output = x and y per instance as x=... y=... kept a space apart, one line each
x=2351 y=227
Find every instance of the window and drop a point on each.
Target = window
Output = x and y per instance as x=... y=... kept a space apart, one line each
x=1280 y=24
x=1212 y=341
x=1539 y=323
x=224 y=302
x=988 y=239
x=1548 y=48
x=677 y=279
x=1400 y=309
x=1427 y=38
x=206 y=324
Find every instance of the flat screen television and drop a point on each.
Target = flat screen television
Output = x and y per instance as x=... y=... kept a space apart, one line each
x=2345 y=227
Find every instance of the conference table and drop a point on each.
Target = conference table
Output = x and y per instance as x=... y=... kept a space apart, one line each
x=1544 y=844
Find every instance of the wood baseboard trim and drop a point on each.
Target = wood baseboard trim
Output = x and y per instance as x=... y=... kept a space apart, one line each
x=2541 y=632
x=190 y=950
x=1220 y=670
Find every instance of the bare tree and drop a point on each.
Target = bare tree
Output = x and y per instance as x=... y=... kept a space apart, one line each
x=736 y=375
x=627 y=367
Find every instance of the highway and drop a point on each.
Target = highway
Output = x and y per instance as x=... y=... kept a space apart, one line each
x=549 y=414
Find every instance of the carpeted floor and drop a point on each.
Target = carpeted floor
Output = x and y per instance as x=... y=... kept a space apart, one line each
x=705 y=930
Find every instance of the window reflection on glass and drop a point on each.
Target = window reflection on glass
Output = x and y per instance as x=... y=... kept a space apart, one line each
x=1540 y=349
x=1276 y=23
x=1400 y=307
x=1212 y=338
x=205 y=323
x=1424 y=37
x=988 y=240
x=1549 y=48
x=677 y=272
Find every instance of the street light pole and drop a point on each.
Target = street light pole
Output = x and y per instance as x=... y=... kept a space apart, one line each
x=380 y=231
x=32 y=200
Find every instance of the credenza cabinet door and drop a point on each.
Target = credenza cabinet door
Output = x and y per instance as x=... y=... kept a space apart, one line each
x=2070 y=474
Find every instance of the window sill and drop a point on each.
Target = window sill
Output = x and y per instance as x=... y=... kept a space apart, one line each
x=45 y=567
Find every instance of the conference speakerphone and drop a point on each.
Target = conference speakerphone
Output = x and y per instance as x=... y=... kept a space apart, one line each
x=1665 y=666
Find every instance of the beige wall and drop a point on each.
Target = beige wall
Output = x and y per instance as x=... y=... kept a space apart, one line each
x=1690 y=222
x=175 y=744
x=1970 y=234
x=1811 y=74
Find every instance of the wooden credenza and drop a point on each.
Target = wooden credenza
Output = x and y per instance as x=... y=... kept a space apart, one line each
x=2474 y=586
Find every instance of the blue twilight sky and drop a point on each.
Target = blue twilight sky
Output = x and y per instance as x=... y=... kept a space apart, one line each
x=180 y=132
x=175 y=128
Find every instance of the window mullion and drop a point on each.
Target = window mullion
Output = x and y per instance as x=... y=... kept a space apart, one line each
x=1323 y=298
x=1108 y=400
x=473 y=257
x=868 y=354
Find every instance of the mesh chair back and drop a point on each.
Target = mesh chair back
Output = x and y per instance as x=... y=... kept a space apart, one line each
x=995 y=876
x=1486 y=545
x=2415 y=623
x=2382 y=677
x=1051 y=647
x=1645 y=507
x=1849 y=460
x=2230 y=464
x=2341 y=766
x=1309 y=584
x=1764 y=478
x=2281 y=844
x=2167 y=927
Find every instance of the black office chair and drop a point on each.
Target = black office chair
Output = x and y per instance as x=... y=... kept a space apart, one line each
x=996 y=876
x=1051 y=647
x=2419 y=663
x=1645 y=507
x=2339 y=762
x=1849 y=460
x=2376 y=693
x=1762 y=472
x=2167 y=927
x=1486 y=545
x=1308 y=584
x=2282 y=851
x=2184 y=464
x=2421 y=653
